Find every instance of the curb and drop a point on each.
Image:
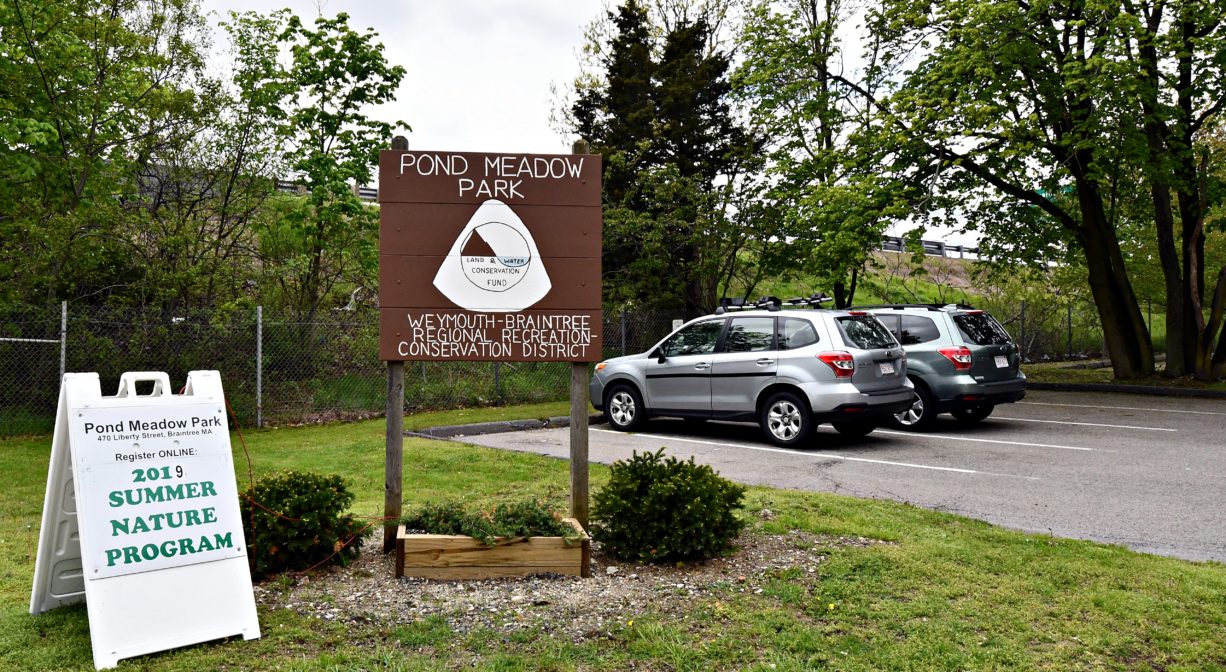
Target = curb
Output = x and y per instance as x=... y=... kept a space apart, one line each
x=1151 y=390
x=497 y=427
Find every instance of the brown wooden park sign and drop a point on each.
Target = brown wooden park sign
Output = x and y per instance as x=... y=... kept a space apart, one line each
x=489 y=257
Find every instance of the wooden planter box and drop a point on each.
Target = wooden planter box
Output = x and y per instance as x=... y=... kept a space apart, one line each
x=442 y=556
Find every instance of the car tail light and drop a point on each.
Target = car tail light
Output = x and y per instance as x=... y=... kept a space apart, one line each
x=960 y=356
x=840 y=362
x=856 y=312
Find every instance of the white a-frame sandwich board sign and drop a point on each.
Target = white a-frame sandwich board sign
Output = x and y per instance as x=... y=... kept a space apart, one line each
x=141 y=517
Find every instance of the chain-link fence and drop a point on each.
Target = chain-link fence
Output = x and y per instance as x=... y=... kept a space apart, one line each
x=276 y=371
x=279 y=371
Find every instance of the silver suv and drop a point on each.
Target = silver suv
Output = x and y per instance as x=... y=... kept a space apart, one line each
x=786 y=370
x=961 y=361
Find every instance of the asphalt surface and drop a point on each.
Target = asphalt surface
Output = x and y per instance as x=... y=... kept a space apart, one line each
x=1145 y=472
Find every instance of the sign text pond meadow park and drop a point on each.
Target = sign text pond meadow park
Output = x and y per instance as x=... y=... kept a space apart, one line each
x=489 y=257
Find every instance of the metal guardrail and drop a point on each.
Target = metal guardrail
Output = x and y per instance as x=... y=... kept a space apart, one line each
x=932 y=248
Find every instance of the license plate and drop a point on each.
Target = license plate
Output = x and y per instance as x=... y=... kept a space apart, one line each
x=1002 y=362
x=887 y=368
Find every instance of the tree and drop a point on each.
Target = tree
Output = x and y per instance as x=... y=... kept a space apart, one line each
x=315 y=103
x=1013 y=103
x=86 y=88
x=823 y=138
x=1177 y=54
x=673 y=156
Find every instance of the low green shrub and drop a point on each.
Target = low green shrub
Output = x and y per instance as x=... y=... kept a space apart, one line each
x=295 y=520
x=527 y=518
x=661 y=509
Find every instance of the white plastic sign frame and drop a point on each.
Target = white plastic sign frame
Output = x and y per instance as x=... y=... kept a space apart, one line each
x=141 y=517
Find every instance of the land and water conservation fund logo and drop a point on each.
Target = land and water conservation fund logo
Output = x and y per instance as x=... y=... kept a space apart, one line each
x=494 y=265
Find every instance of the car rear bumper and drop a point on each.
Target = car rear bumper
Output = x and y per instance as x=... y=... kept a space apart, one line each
x=970 y=393
x=848 y=403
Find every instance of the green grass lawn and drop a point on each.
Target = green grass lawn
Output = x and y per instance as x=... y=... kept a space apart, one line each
x=946 y=593
x=1070 y=372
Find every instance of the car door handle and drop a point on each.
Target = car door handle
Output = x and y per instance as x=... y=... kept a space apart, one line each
x=701 y=366
x=765 y=361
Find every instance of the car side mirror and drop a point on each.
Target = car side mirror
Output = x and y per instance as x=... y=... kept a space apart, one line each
x=658 y=355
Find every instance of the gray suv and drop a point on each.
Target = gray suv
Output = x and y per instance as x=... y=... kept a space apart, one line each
x=961 y=361
x=786 y=370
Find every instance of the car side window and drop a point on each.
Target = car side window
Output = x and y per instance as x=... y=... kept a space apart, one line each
x=696 y=339
x=750 y=334
x=917 y=329
x=794 y=333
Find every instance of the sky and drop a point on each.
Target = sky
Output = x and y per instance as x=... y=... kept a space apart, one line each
x=479 y=72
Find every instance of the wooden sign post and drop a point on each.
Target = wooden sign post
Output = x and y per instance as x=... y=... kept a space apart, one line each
x=490 y=257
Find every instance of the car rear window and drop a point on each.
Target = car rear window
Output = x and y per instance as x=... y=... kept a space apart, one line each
x=981 y=329
x=865 y=332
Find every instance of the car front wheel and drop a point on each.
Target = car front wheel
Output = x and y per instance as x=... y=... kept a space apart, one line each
x=785 y=419
x=624 y=408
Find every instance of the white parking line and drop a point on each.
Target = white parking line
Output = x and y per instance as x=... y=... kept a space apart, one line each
x=1084 y=424
x=823 y=456
x=1123 y=408
x=946 y=437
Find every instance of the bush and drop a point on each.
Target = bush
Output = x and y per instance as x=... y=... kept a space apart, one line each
x=659 y=509
x=528 y=518
x=297 y=521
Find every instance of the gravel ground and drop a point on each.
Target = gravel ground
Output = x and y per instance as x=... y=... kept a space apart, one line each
x=365 y=592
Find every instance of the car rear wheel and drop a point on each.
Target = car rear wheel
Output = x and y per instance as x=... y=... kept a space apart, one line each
x=920 y=415
x=857 y=428
x=624 y=408
x=973 y=416
x=785 y=419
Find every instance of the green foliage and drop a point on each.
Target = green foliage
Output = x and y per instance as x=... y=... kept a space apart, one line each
x=674 y=161
x=661 y=509
x=315 y=105
x=825 y=146
x=524 y=518
x=296 y=520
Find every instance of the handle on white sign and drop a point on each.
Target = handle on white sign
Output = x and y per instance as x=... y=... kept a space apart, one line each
x=128 y=381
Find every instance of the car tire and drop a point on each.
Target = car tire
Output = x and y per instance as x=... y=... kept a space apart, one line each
x=973 y=416
x=785 y=419
x=920 y=415
x=855 y=428
x=623 y=406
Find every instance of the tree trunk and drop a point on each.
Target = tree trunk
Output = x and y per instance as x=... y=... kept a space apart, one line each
x=1132 y=354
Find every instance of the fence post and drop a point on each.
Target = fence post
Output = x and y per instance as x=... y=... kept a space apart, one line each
x=623 y=324
x=1149 y=318
x=259 y=366
x=498 y=382
x=1069 y=309
x=63 y=337
x=1022 y=351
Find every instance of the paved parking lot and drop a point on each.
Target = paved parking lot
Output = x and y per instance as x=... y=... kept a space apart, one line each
x=1145 y=472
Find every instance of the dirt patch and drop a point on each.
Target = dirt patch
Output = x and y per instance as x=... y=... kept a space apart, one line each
x=365 y=592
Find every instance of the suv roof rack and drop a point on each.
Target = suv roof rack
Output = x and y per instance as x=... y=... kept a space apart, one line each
x=926 y=306
x=771 y=303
